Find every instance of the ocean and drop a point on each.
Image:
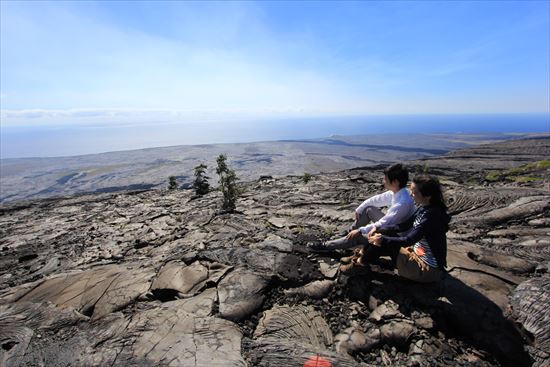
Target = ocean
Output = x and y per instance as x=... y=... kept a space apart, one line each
x=79 y=139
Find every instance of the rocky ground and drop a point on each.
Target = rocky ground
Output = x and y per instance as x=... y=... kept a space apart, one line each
x=164 y=278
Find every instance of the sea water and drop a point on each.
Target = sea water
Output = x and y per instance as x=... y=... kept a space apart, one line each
x=78 y=139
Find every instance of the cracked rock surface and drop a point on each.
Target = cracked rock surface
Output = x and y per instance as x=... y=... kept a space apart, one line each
x=155 y=278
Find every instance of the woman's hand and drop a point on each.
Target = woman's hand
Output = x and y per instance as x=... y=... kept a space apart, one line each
x=409 y=251
x=371 y=232
x=375 y=239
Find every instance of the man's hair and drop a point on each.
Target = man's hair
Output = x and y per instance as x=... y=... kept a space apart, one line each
x=397 y=172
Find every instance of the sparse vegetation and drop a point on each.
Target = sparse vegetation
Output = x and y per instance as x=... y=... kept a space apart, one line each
x=492 y=176
x=329 y=231
x=307 y=177
x=228 y=184
x=527 y=179
x=201 y=184
x=172 y=183
x=522 y=174
x=426 y=169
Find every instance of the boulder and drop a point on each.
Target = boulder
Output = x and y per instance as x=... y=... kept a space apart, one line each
x=530 y=303
x=240 y=294
x=95 y=292
x=316 y=289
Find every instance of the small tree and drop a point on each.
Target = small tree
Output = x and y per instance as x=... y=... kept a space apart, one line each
x=172 y=184
x=306 y=177
x=201 y=184
x=228 y=183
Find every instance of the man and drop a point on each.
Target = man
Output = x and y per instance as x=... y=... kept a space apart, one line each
x=400 y=208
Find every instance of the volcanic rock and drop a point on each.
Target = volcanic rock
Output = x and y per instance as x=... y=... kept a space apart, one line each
x=157 y=277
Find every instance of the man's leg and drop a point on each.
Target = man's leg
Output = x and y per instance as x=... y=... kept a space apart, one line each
x=341 y=243
x=370 y=214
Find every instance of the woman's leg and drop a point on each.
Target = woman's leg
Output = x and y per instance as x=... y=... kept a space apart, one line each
x=410 y=269
x=371 y=253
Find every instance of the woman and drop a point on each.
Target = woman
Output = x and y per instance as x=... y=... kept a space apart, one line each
x=420 y=254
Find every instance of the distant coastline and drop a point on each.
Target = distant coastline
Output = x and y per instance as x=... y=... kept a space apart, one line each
x=19 y=141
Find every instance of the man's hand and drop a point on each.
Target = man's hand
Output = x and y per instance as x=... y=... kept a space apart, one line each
x=353 y=233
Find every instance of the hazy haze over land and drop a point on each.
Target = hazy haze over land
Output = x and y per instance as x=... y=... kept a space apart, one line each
x=27 y=178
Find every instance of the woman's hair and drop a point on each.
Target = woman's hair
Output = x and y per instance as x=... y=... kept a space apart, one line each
x=430 y=186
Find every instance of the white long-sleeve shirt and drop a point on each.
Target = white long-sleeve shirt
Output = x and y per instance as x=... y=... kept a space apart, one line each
x=401 y=207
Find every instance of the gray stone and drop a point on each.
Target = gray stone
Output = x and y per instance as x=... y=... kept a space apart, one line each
x=277 y=222
x=329 y=271
x=95 y=292
x=525 y=206
x=352 y=340
x=302 y=325
x=397 y=332
x=274 y=242
x=530 y=302
x=240 y=294
x=187 y=280
x=200 y=305
x=317 y=289
x=387 y=310
x=172 y=337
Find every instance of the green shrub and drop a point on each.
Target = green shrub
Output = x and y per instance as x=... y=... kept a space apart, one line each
x=228 y=184
x=172 y=183
x=426 y=169
x=307 y=177
x=201 y=184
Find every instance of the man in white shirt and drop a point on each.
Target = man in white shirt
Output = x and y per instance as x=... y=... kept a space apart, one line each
x=368 y=215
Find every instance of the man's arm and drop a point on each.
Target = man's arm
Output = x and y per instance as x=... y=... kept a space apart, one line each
x=396 y=214
x=378 y=201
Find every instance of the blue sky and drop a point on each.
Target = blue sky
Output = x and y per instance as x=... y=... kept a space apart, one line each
x=108 y=61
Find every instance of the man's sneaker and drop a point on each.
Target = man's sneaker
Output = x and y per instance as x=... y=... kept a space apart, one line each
x=317 y=247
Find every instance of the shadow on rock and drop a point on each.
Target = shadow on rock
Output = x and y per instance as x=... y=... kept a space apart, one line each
x=457 y=310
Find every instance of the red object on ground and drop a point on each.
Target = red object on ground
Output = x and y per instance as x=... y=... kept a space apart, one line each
x=316 y=361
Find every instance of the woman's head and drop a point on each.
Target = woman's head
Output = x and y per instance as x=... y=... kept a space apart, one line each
x=426 y=190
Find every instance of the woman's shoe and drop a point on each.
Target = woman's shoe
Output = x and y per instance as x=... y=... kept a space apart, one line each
x=354 y=267
x=357 y=252
x=347 y=259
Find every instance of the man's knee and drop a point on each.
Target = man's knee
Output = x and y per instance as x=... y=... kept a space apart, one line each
x=373 y=213
x=368 y=212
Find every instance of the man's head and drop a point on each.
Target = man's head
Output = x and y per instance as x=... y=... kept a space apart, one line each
x=396 y=175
